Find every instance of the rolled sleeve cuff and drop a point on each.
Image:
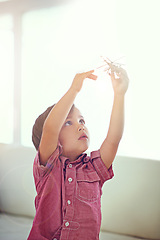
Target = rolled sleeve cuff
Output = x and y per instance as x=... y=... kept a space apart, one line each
x=101 y=169
x=41 y=170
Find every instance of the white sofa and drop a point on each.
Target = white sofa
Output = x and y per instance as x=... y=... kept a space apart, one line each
x=130 y=202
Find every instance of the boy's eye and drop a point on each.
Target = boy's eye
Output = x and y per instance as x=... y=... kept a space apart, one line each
x=82 y=121
x=68 y=123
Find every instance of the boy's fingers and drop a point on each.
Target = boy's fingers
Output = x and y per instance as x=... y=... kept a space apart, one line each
x=92 y=76
x=88 y=72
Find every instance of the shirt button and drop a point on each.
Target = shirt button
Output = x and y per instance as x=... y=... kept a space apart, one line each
x=70 y=165
x=67 y=224
x=69 y=202
x=70 y=180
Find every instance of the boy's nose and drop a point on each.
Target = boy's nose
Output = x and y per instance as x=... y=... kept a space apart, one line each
x=80 y=128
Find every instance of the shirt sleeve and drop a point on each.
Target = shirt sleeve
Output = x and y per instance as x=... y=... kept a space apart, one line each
x=40 y=171
x=103 y=172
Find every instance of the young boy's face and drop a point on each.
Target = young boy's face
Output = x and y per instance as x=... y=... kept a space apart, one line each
x=74 y=136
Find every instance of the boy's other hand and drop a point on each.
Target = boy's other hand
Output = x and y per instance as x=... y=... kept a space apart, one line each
x=119 y=79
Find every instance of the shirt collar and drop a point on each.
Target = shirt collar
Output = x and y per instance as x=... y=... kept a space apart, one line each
x=82 y=158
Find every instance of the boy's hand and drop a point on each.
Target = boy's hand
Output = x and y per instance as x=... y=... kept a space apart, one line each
x=79 y=78
x=119 y=79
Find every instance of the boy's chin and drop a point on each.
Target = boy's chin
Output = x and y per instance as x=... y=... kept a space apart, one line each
x=81 y=152
x=84 y=149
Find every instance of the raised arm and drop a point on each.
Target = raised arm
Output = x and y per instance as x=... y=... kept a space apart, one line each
x=57 y=116
x=109 y=147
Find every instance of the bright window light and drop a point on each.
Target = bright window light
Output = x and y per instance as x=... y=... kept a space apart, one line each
x=61 y=41
x=6 y=79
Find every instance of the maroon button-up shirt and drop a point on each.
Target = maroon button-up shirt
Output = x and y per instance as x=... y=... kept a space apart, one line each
x=68 y=201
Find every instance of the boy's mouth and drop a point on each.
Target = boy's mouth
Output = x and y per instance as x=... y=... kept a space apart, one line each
x=83 y=136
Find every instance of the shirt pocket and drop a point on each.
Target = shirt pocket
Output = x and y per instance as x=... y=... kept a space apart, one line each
x=88 y=186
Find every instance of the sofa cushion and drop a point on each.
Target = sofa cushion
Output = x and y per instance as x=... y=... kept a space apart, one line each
x=17 y=190
x=14 y=227
x=18 y=228
x=131 y=200
x=115 y=236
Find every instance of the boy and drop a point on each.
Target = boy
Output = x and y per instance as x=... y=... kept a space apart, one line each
x=68 y=182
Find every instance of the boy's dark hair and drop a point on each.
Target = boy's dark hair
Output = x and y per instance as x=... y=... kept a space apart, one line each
x=38 y=127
